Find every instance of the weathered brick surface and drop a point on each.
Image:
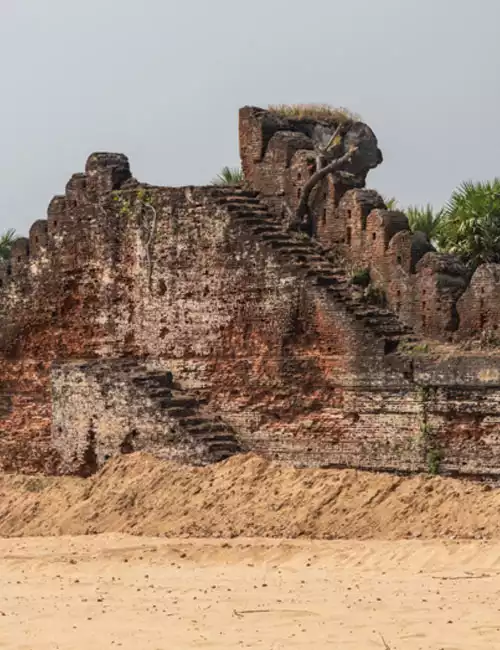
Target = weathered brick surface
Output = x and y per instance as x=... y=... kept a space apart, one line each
x=273 y=346
x=278 y=158
x=479 y=306
x=104 y=408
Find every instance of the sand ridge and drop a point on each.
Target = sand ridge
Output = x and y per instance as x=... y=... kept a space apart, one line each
x=246 y=496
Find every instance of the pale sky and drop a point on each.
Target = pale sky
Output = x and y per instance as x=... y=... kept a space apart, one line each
x=162 y=81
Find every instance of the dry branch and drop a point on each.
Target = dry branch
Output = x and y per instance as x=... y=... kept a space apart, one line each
x=386 y=645
x=335 y=166
x=242 y=612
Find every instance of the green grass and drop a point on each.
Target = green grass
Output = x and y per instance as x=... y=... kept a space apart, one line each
x=323 y=112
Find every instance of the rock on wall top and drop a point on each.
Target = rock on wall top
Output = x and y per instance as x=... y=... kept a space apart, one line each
x=263 y=130
x=430 y=291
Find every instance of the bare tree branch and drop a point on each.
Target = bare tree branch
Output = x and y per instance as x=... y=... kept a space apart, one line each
x=318 y=176
x=334 y=136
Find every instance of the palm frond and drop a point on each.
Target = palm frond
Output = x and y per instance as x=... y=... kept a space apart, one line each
x=6 y=241
x=424 y=219
x=229 y=176
x=471 y=222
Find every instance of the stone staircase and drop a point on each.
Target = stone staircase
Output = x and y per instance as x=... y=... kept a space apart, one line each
x=207 y=432
x=300 y=253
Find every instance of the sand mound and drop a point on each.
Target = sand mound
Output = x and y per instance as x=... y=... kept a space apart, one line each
x=246 y=496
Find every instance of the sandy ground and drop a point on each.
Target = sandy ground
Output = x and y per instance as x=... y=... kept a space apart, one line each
x=110 y=591
x=247 y=553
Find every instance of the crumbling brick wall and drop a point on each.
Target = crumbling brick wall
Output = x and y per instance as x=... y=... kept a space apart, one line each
x=479 y=306
x=207 y=298
x=270 y=336
x=205 y=295
x=102 y=408
x=278 y=158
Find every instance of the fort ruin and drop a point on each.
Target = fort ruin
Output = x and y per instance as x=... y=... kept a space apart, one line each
x=195 y=323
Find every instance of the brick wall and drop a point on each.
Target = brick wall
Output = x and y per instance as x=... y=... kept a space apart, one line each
x=102 y=408
x=258 y=324
x=278 y=158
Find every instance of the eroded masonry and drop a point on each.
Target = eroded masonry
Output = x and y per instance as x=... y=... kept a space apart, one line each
x=195 y=323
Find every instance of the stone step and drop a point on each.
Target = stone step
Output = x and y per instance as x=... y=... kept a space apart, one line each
x=128 y=363
x=219 y=457
x=255 y=221
x=158 y=393
x=246 y=207
x=314 y=270
x=350 y=303
x=382 y=320
x=223 y=446
x=266 y=228
x=192 y=421
x=362 y=314
x=239 y=198
x=181 y=395
x=302 y=263
x=227 y=440
x=160 y=379
x=388 y=332
x=340 y=291
x=293 y=250
x=326 y=280
x=206 y=426
x=323 y=269
x=304 y=246
x=179 y=411
x=316 y=259
x=251 y=214
x=278 y=245
x=232 y=190
x=380 y=311
x=342 y=285
x=278 y=237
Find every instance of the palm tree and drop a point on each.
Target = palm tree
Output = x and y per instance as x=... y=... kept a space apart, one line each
x=229 y=176
x=424 y=219
x=6 y=241
x=470 y=224
x=421 y=218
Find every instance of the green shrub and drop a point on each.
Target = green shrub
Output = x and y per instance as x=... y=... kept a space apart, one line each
x=361 y=277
